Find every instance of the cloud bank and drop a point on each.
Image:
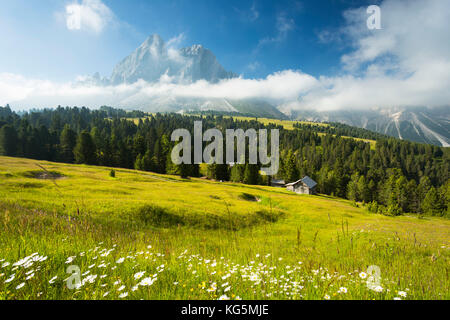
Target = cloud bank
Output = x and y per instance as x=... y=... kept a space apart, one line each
x=406 y=63
x=89 y=15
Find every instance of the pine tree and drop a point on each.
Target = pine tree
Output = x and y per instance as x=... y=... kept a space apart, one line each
x=411 y=190
x=401 y=193
x=251 y=174
x=85 y=149
x=8 y=141
x=139 y=164
x=68 y=141
x=290 y=170
x=422 y=190
x=431 y=203
x=363 y=190
x=237 y=173
x=352 y=188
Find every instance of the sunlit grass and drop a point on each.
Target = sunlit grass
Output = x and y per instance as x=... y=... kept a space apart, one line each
x=85 y=213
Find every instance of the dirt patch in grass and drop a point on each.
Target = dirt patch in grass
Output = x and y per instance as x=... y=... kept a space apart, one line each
x=248 y=197
x=43 y=175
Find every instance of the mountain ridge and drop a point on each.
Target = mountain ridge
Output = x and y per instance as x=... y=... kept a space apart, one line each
x=155 y=61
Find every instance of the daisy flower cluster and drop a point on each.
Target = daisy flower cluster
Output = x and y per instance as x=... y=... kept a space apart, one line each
x=109 y=273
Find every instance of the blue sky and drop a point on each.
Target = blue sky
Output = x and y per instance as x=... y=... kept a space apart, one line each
x=253 y=38
x=295 y=54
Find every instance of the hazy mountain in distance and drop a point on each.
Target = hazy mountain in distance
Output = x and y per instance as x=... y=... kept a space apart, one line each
x=154 y=59
x=426 y=125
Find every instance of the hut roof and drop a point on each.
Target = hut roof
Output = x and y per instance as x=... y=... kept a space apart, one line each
x=310 y=183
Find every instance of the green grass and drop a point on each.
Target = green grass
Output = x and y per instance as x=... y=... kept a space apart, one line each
x=262 y=242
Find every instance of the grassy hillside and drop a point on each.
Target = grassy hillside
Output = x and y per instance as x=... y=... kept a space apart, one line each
x=197 y=239
x=289 y=125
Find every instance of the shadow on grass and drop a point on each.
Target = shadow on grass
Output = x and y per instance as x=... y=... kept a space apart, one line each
x=156 y=216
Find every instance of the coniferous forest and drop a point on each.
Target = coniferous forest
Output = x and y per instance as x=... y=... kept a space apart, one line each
x=390 y=177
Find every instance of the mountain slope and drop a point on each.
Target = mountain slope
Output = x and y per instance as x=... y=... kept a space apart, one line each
x=416 y=124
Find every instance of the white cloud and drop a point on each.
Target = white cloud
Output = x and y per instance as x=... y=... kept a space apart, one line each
x=254 y=66
x=283 y=26
x=176 y=41
x=254 y=13
x=89 y=15
x=248 y=15
x=407 y=63
x=26 y=93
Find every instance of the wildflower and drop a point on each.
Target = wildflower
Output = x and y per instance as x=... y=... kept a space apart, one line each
x=70 y=259
x=397 y=298
x=5 y=264
x=147 y=282
x=378 y=289
x=227 y=289
x=10 y=278
x=327 y=297
x=52 y=280
x=212 y=288
x=120 y=260
x=20 y=285
x=224 y=297
x=402 y=294
x=139 y=275
x=342 y=290
x=121 y=288
x=363 y=275
x=123 y=295
x=226 y=276
x=254 y=277
x=135 y=287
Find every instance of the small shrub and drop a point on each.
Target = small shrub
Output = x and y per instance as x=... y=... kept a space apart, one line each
x=112 y=173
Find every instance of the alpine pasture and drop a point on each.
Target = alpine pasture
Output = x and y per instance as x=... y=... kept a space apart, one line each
x=140 y=235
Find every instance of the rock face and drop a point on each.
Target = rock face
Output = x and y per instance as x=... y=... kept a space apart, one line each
x=154 y=60
x=424 y=125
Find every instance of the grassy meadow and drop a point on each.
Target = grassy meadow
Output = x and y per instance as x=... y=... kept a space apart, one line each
x=140 y=235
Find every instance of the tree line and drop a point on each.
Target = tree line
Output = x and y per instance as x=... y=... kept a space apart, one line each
x=392 y=177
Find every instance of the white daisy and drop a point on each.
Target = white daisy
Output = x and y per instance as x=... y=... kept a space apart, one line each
x=20 y=285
